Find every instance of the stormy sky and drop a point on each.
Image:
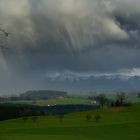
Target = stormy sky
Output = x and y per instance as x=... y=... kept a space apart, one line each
x=72 y=45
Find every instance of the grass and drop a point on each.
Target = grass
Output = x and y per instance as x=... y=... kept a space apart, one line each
x=116 y=124
x=65 y=101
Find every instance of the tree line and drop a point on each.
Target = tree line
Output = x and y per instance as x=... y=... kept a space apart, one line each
x=13 y=111
x=103 y=100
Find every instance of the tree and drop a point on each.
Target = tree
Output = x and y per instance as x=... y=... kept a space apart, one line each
x=25 y=118
x=121 y=99
x=101 y=99
x=112 y=104
x=4 y=34
x=98 y=118
x=88 y=117
x=25 y=114
x=61 y=117
x=138 y=95
x=34 y=118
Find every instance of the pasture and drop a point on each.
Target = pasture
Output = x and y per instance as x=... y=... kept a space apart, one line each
x=121 y=123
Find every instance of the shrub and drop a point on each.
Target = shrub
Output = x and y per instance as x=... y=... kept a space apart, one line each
x=61 y=117
x=98 y=118
x=88 y=117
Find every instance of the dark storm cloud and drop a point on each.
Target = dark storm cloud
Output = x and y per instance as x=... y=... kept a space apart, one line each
x=79 y=36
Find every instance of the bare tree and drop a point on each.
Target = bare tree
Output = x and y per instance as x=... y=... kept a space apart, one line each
x=3 y=33
x=101 y=99
x=120 y=99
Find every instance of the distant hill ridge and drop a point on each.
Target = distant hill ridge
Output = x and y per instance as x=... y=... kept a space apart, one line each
x=43 y=94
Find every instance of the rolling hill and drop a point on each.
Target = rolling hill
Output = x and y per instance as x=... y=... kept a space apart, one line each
x=116 y=124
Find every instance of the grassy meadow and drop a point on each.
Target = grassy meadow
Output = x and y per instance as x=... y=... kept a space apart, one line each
x=65 y=101
x=122 y=123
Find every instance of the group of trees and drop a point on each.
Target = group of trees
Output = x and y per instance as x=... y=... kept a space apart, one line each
x=88 y=117
x=13 y=111
x=102 y=100
x=121 y=100
x=10 y=111
x=41 y=94
x=61 y=117
x=96 y=117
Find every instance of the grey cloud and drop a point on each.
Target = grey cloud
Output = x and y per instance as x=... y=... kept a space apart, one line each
x=85 y=23
x=124 y=74
x=80 y=36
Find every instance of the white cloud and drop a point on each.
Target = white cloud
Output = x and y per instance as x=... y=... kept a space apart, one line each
x=87 y=22
x=15 y=19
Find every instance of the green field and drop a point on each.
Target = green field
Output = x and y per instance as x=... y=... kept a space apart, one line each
x=116 y=124
x=75 y=99
x=65 y=101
